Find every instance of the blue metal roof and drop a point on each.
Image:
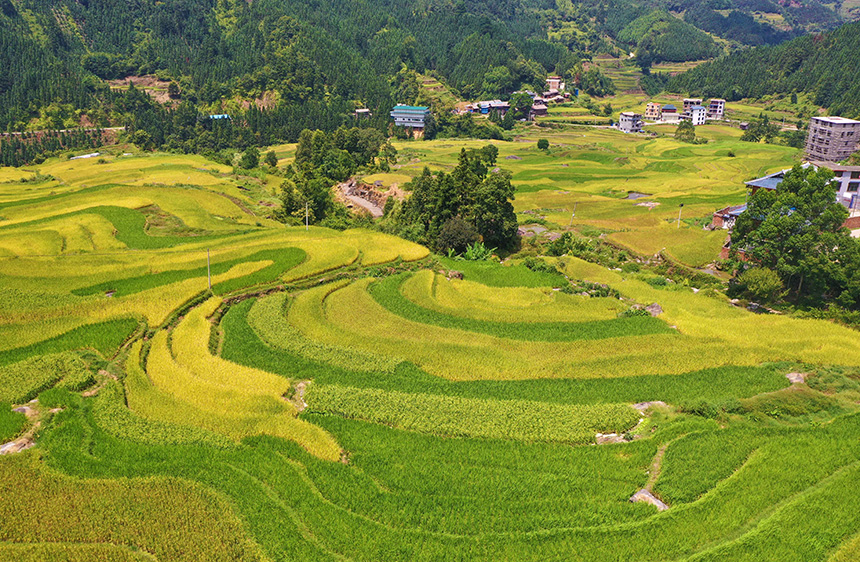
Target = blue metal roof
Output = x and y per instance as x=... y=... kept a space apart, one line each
x=220 y=116
x=736 y=210
x=410 y=108
x=767 y=182
x=669 y=106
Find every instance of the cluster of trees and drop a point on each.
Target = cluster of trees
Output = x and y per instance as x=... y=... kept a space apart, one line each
x=18 y=150
x=761 y=129
x=735 y=26
x=659 y=36
x=323 y=159
x=795 y=237
x=450 y=211
x=813 y=63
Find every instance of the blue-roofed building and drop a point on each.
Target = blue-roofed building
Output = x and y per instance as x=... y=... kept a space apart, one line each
x=412 y=116
x=669 y=113
x=220 y=116
x=770 y=181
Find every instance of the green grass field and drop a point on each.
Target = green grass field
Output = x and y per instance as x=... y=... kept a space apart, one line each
x=340 y=396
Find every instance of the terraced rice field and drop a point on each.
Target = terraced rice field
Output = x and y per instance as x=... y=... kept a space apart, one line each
x=591 y=171
x=341 y=396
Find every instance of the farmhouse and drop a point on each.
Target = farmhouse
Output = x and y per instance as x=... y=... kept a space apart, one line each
x=537 y=110
x=630 y=122
x=410 y=116
x=725 y=218
x=363 y=113
x=846 y=185
x=847 y=182
x=487 y=107
x=554 y=83
x=652 y=111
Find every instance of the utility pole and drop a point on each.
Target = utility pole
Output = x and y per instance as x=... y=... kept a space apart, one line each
x=208 y=269
x=681 y=206
x=573 y=214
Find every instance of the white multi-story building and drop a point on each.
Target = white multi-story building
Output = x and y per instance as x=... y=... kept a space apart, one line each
x=831 y=139
x=696 y=114
x=630 y=122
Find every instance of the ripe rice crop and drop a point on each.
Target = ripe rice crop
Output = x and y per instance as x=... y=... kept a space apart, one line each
x=11 y=422
x=504 y=304
x=386 y=292
x=111 y=413
x=23 y=381
x=268 y=317
x=103 y=337
x=294 y=356
x=168 y=517
x=377 y=248
x=473 y=417
x=65 y=552
x=221 y=396
x=281 y=261
x=327 y=314
x=494 y=275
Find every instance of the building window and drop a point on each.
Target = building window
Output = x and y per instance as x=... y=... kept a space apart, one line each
x=855 y=175
x=852 y=186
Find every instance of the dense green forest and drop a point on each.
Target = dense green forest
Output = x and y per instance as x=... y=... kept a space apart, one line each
x=818 y=64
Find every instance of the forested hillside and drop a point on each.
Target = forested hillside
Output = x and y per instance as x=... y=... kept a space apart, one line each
x=819 y=64
x=279 y=67
x=321 y=55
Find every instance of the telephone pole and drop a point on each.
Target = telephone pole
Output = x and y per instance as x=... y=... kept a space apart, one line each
x=681 y=206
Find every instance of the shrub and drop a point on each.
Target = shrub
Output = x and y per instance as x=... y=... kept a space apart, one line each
x=456 y=236
x=543 y=144
x=762 y=284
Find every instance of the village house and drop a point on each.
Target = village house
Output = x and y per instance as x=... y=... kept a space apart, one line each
x=696 y=114
x=652 y=111
x=846 y=185
x=725 y=218
x=669 y=114
x=363 y=113
x=537 y=110
x=690 y=102
x=554 y=83
x=487 y=107
x=716 y=108
x=410 y=116
x=630 y=122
